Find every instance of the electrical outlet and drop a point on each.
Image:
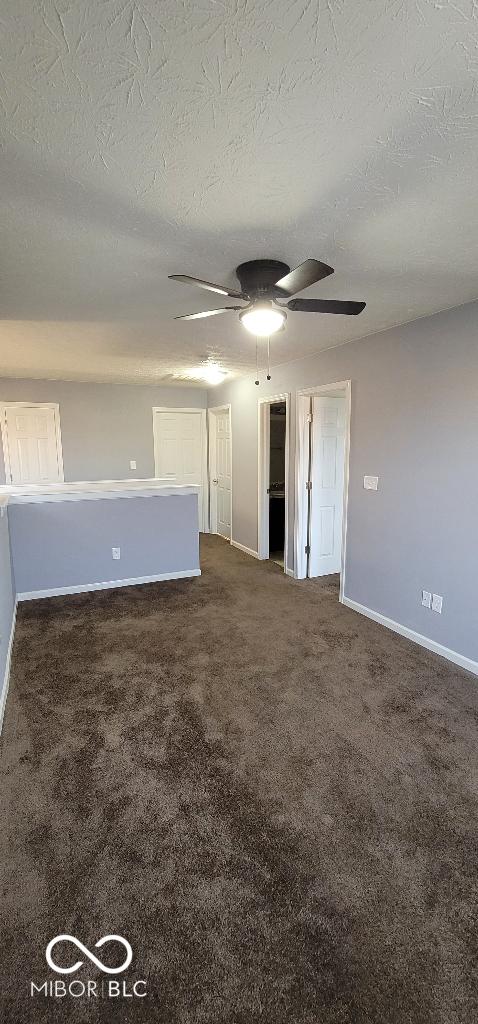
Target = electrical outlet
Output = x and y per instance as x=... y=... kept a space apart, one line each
x=370 y=483
x=116 y=552
x=132 y=464
x=426 y=599
x=437 y=603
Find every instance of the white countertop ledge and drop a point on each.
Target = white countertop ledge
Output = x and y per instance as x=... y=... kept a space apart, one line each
x=90 y=490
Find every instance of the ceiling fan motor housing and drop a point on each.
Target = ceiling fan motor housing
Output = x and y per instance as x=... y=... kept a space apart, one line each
x=258 y=277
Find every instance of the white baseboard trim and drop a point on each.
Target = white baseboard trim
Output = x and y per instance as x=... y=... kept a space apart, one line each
x=6 y=677
x=290 y=572
x=417 y=638
x=242 y=547
x=84 y=588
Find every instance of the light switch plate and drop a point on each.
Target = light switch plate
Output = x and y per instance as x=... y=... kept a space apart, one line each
x=132 y=464
x=437 y=603
x=370 y=483
x=426 y=599
x=116 y=552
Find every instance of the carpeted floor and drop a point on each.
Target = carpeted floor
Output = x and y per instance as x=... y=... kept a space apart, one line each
x=272 y=798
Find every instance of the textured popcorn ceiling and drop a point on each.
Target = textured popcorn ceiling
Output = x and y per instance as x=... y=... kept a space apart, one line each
x=141 y=139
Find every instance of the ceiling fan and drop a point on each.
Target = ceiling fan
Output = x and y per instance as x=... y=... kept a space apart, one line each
x=266 y=285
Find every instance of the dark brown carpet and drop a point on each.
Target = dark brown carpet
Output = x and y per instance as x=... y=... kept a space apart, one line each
x=274 y=799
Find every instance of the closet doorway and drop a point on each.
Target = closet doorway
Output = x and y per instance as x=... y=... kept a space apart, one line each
x=220 y=471
x=273 y=483
x=323 y=441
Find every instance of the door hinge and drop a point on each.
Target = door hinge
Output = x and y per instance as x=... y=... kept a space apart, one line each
x=307 y=549
x=310 y=417
x=308 y=485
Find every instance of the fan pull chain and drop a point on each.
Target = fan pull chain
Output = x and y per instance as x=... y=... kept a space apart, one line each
x=269 y=358
x=257 y=362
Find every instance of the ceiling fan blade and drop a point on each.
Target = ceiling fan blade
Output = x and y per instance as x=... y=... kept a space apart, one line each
x=207 y=312
x=305 y=274
x=326 y=306
x=219 y=288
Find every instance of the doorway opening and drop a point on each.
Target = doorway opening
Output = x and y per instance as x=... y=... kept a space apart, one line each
x=273 y=484
x=180 y=452
x=220 y=471
x=31 y=438
x=323 y=440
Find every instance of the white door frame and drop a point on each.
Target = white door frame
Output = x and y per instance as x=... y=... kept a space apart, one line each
x=30 y=405
x=302 y=475
x=203 y=510
x=211 y=413
x=263 y=448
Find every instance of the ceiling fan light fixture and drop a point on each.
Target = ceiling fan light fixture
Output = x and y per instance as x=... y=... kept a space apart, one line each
x=262 y=319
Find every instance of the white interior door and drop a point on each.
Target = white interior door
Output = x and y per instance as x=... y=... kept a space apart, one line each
x=221 y=473
x=179 y=447
x=327 y=476
x=32 y=447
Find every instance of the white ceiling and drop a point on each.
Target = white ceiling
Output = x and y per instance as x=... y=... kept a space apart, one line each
x=143 y=138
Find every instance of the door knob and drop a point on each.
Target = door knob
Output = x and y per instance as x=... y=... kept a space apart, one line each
x=215 y=481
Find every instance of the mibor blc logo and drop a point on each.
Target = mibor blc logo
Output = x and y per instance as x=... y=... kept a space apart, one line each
x=89 y=988
x=86 y=952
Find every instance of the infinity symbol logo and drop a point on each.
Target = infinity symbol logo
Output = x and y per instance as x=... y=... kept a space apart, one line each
x=91 y=956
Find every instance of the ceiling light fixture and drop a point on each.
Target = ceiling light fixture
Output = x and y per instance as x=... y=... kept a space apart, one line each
x=210 y=372
x=262 y=319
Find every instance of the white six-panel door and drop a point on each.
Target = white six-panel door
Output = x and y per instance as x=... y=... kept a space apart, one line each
x=31 y=442
x=327 y=476
x=179 y=449
x=220 y=465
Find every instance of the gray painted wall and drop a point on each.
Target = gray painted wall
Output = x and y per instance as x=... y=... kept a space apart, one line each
x=415 y=425
x=68 y=543
x=7 y=598
x=103 y=426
